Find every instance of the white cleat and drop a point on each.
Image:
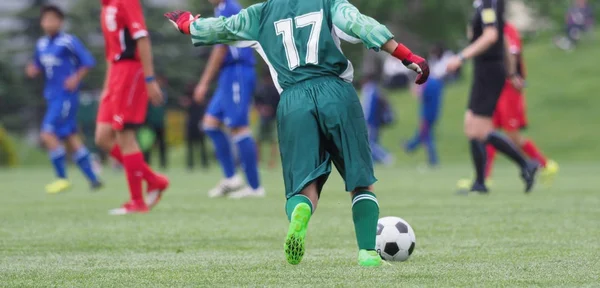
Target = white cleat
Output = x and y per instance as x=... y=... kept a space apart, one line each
x=248 y=192
x=226 y=186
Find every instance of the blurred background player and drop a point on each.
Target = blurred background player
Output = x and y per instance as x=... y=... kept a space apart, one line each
x=487 y=50
x=378 y=113
x=510 y=114
x=130 y=81
x=155 y=121
x=230 y=107
x=266 y=101
x=430 y=99
x=64 y=61
x=319 y=117
x=578 y=20
x=194 y=134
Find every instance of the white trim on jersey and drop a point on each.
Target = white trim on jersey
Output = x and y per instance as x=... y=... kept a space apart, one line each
x=342 y=35
x=256 y=46
x=122 y=40
x=139 y=34
x=348 y=74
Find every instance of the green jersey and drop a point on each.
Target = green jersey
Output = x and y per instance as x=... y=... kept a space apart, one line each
x=298 y=39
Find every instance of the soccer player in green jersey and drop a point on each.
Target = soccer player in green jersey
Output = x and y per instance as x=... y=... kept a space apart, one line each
x=320 y=119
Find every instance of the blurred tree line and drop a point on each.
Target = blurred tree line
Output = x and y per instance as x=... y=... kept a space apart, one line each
x=419 y=23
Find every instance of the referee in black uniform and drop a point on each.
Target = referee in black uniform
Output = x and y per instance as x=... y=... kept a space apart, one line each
x=487 y=49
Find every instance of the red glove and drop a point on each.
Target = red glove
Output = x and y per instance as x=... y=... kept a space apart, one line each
x=413 y=62
x=181 y=20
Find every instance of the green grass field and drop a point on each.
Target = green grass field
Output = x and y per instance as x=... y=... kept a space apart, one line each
x=506 y=239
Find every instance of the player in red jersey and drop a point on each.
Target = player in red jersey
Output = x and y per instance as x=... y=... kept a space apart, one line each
x=129 y=84
x=510 y=114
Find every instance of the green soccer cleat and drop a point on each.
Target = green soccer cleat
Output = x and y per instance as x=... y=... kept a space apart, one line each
x=294 y=242
x=369 y=258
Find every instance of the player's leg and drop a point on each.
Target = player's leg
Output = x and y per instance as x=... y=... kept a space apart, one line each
x=212 y=123
x=105 y=137
x=480 y=130
x=305 y=165
x=56 y=151
x=129 y=113
x=379 y=154
x=411 y=145
x=499 y=120
x=549 y=167
x=162 y=146
x=68 y=131
x=237 y=118
x=489 y=164
x=428 y=139
x=342 y=122
x=83 y=159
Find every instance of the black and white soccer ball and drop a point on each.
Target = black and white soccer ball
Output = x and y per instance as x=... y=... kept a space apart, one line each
x=395 y=239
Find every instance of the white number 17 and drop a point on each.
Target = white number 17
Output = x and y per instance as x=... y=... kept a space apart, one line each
x=285 y=27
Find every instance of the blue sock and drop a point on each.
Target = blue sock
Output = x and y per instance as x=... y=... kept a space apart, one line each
x=84 y=161
x=222 y=149
x=57 y=157
x=413 y=143
x=431 y=150
x=380 y=155
x=247 y=149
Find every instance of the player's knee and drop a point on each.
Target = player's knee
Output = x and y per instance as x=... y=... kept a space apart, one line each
x=102 y=141
x=210 y=123
x=49 y=140
x=241 y=131
x=74 y=143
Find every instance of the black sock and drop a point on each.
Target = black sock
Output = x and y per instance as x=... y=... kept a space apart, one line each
x=505 y=146
x=479 y=158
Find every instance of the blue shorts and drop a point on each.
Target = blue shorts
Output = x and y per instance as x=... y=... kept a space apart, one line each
x=61 y=117
x=233 y=97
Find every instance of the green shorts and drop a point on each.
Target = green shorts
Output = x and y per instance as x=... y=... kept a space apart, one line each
x=321 y=121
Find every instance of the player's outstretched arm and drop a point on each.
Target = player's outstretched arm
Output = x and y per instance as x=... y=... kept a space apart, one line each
x=221 y=30
x=353 y=26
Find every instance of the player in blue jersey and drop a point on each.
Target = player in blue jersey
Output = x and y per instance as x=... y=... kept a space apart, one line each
x=64 y=61
x=430 y=98
x=377 y=114
x=229 y=107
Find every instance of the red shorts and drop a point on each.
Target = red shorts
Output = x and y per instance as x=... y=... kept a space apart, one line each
x=126 y=101
x=510 y=109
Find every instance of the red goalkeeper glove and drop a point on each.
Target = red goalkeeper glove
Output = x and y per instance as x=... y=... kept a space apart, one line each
x=413 y=62
x=181 y=20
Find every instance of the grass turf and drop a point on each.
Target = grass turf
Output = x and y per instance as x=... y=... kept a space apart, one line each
x=548 y=238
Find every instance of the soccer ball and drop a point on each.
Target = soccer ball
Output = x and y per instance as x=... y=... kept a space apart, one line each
x=395 y=239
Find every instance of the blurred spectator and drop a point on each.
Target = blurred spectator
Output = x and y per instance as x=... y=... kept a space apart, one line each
x=155 y=121
x=378 y=113
x=194 y=134
x=579 y=19
x=430 y=99
x=266 y=101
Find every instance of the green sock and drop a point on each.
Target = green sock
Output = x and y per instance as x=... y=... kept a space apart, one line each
x=365 y=213
x=293 y=202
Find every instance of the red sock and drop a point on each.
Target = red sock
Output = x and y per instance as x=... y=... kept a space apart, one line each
x=149 y=174
x=534 y=153
x=134 y=169
x=491 y=155
x=116 y=154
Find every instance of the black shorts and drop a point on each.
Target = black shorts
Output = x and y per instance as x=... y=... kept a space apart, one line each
x=488 y=82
